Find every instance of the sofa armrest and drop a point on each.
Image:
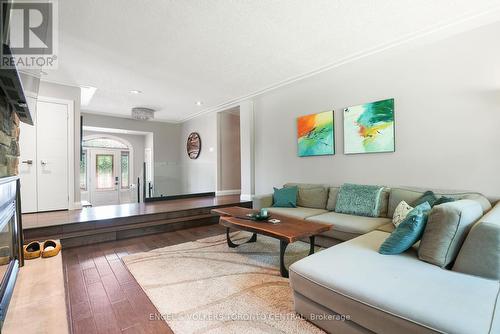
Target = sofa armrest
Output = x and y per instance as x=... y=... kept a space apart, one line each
x=262 y=201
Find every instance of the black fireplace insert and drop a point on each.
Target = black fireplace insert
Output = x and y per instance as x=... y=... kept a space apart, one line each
x=10 y=240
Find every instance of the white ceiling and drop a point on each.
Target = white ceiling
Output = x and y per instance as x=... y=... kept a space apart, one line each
x=178 y=52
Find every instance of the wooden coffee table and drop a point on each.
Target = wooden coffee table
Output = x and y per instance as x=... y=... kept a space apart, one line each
x=287 y=231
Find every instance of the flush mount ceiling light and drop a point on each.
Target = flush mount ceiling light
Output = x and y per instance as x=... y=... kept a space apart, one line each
x=135 y=91
x=143 y=114
x=199 y=103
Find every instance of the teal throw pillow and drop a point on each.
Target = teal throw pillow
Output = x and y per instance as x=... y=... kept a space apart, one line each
x=432 y=199
x=285 y=197
x=443 y=200
x=428 y=197
x=359 y=200
x=408 y=232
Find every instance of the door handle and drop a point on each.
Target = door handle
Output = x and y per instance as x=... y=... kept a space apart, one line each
x=28 y=162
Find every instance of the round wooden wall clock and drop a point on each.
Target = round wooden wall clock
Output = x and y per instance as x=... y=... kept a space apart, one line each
x=193 y=145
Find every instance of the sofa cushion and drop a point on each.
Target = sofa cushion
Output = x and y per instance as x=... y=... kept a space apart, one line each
x=446 y=230
x=285 y=197
x=357 y=199
x=353 y=225
x=305 y=185
x=386 y=228
x=384 y=202
x=480 y=253
x=262 y=201
x=408 y=232
x=310 y=195
x=332 y=198
x=400 y=286
x=483 y=201
x=411 y=195
x=298 y=212
x=313 y=197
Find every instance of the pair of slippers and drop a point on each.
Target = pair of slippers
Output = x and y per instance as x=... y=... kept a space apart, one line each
x=44 y=249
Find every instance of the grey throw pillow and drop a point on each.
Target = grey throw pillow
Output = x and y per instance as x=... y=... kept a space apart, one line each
x=480 y=253
x=446 y=229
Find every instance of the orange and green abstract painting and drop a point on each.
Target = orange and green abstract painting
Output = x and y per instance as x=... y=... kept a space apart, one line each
x=315 y=134
x=369 y=128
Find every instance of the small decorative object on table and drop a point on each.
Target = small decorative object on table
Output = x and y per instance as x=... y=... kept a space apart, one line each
x=259 y=216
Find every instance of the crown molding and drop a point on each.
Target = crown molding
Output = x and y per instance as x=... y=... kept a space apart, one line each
x=433 y=34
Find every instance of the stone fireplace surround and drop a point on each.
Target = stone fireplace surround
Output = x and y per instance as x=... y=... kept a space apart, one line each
x=9 y=140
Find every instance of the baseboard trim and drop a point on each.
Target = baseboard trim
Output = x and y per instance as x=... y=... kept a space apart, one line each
x=228 y=192
x=172 y=197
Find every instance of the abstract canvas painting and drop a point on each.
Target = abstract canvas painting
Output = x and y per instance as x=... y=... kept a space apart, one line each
x=315 y=134
x=369 y=128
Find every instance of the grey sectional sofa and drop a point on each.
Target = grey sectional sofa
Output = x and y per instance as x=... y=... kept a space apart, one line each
x=351 y=288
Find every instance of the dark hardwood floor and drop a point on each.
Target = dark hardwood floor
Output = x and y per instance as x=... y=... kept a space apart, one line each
x=103 y=297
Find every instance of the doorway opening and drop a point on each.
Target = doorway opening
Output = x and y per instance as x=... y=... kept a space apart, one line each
x=229 y=152
x=106 y=170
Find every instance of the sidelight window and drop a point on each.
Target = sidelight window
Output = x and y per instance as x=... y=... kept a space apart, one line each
x=83 y=171
x=125 y=169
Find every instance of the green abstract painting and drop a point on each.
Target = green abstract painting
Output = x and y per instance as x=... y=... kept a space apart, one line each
x=315 y=134
x=369 y=128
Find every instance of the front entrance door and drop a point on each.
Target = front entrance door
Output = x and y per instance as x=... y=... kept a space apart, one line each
x=104 y=177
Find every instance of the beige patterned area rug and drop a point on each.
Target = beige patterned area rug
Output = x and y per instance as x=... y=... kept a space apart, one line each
x=206 y=287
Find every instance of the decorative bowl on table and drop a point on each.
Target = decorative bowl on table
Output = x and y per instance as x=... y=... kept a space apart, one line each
x=259 y=216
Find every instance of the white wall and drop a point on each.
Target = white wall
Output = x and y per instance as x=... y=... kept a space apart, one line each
x=247 y=142
x=53 y=90
x=447 y=105
x=166 y=141
x=229 y=170
x=199 y=175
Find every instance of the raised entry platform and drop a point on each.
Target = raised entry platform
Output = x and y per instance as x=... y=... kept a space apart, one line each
x=114 y=222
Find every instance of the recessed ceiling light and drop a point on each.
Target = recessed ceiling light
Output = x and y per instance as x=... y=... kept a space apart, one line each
x=136 y=91
x=199 y=103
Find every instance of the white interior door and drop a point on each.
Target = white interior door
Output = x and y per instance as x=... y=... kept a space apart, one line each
x=104 y=177
x=28 y=162
x=52 y=156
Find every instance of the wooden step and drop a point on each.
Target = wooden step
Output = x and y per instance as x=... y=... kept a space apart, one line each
x=79 y=231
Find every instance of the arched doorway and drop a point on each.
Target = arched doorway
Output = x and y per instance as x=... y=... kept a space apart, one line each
x=106 y=170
